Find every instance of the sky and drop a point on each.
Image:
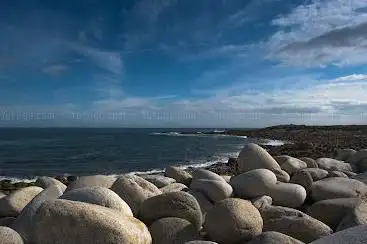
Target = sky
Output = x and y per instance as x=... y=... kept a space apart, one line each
x=182 y=63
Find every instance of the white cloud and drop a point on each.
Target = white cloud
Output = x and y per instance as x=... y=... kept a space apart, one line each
x=354 y=77
x=55 y=69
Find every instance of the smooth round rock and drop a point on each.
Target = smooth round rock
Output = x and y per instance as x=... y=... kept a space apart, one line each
x=174 y=204
x=337 y=187
x=134 y=190
x=336 y=173
x=9 y=236
x=100 y=196
x=203 y=174
x=204 y=202
x=159 y=180
x=272 y=237
x=233 y=220
x=261 y=202
x=227 y=178
x=273 y=212
x=13 y=204
x=65 y=221
x=303 y=178
x=292 y=165
x=174 y=187
x=46 y=182
x=180 y=175
x=215 y=190
x=311 y=163
x=344 y=154
x=355 y=235
x=358 y=216
x=173 y=231
x=281 y=175
x=91 y=181
x=316 y=173
x=288 y=195
x=331 y=164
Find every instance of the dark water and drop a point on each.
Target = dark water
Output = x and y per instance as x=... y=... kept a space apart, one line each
x=34 y=152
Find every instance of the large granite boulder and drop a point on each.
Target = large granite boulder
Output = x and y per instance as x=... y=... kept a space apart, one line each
x=273 y=237
x=355 y=235
x=173 y=231
x=13 y=204
x=46 y=182
x=180 y=175
x=358 y=216
x=159 y=180
x=215 y=190
x=233 y=220
x=311 y=163
x=203 y=174
x=174 y=187
x=9 y=236
x=331 y=164
x=100 y=196
x=337 y=187
x=134 y=190
x=316 y=173
x=65 y=221
x=90 y=181
x=175 y=204
x=292 y=165
x=303 y=178
x=336 y=173
x=261 y=202
x=204 y=202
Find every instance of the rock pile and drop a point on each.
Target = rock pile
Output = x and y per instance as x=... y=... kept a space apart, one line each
x=270 y=200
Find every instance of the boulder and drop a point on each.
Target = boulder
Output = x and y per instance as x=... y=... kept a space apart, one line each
x=65 y=221
x=90 y=181
x=316 y=173
x=344 y=154
x=227 y=178
x=174 y=187
x=7 y=221
x=274 y=212
x=46 y=182
x=174 y=204
x=205 y=204
x=203 y=174
x=355 y=235
x=331 y=164
x=311 y=163
x=134 y=190
x=180 y=175
x=261 y=202
x=260 y=182
x=303 y=178
x=281 y=175
x=159 y=180
x=233 y=220
x=272 y=237
x=336 y=173
x=24 y=222
x=13 y=204
x=100 y=196
x=215 y=190
x=358 y=216
x=9 y=236
x=173 y=231
x=292 y=165
x=332 y=211
x=337 y=187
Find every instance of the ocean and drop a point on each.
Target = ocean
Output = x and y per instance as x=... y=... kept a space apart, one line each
x=26 y=153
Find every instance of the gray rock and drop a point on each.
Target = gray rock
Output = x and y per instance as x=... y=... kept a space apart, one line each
x=281 y=175
x=100 y=196
x=134 y=190
x=350 y=173
x=272 y=237
x=175 y=204
x=344 y=154
x=304 y=179
x=91 y=181
x=180 y=175
x=205 y=204
x=174 y=187
x=215 y=190
x=332 y=211
x=7 y=221
x=9 y=236
x=13 y=204
x=64 y=221
x=331 y=164
x=336 y=173
x=355 y=235
x=159 y=180
x=316 y=173
x=311 y=163
x=227 y=178
x=337 y=187
x=233 y=220
x=24 y=222
x=292 y=165
x=261 y=202
x=274 y=212
x=46 y=182
x=203 y=174
x=358 y=216
x=173 y=231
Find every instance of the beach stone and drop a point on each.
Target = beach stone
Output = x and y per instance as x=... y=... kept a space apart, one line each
x=331 y=164
x=261 y=202
x=233 y=220
x=24 y=222
x=316 y=173
x=204 y=202
x=174 y=187
x=272 y=237
x=337 y=187
x=282 y=158
x=9 y=236
x=292 y=165
x=357 y=157
x=311 y=163
x=65 y=221
x=302 y=227
x=173 y=204
x=350 y=173
x=344 y=154
x=215 y=190
x=90 y=181
x=7 y=221
x=134 y=190
x=332 y=211
x=355 y=235
x=336 y=173
x=281 y=175
x=13 y=204
x=46 y=182
x=288 y=195
x=99 y=196
x=180 y=175
x=304 y=179
x=203 y=174
x=273 y=212
x=227 y=178
x=358 y=216
x=173 y=231
x=159 y=180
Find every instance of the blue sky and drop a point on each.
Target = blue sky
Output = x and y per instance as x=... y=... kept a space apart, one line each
x=182 y=63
